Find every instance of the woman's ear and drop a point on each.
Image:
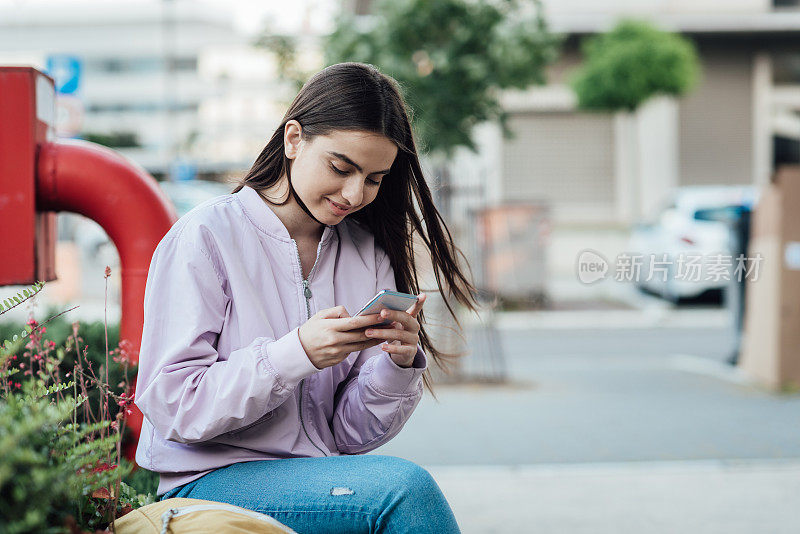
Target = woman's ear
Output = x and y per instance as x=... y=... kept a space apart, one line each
x=292 y=138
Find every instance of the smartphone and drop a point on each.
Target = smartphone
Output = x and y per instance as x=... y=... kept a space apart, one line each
x=393 y=300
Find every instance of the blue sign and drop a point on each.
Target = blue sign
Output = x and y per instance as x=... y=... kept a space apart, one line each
x=183 y=170
x=66 y=71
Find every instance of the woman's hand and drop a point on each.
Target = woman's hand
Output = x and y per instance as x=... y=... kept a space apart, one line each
x=404 y=334
x=331 y=334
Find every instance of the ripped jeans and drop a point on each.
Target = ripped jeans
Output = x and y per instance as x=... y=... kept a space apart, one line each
x=366 y=493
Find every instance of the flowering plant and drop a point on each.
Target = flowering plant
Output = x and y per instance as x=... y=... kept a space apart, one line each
x=61 y=467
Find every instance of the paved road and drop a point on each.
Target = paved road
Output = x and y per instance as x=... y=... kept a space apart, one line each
x=617 y=398
x=604 y=396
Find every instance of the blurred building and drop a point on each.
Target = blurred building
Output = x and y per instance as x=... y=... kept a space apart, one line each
x=160 y=81
x=734 y=127
x=608 y=168
x=176 y=86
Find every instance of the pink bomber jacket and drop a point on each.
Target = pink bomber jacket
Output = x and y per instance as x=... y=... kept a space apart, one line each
x=222 y=375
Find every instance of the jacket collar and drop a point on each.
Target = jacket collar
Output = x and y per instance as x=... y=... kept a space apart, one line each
x=265 y=219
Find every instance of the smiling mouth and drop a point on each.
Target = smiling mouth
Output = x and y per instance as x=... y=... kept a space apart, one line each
x=338 y=206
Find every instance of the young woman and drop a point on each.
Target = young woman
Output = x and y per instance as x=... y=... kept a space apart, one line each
x=257 y=386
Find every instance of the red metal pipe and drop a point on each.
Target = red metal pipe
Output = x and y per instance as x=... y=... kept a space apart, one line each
x=86 y=178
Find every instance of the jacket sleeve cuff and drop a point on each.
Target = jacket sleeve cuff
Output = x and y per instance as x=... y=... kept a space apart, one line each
x=287 y=358
x=390 y=379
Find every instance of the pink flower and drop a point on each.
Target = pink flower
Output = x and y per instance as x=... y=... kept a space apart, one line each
x=17 y=385
x=103 y=467
x=52 y=344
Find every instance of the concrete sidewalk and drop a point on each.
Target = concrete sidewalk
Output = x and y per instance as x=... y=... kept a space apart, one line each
x=698 y=497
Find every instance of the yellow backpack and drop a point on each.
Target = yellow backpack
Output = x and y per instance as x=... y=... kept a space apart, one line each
x=178 y=515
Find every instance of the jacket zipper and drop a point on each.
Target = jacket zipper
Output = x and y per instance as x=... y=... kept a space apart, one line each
x=307 y=294
x=167 y=516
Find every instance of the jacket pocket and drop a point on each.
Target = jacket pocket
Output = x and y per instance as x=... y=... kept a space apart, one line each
x=264 y=418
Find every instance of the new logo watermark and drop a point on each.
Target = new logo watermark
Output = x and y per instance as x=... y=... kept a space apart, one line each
x=592 y=267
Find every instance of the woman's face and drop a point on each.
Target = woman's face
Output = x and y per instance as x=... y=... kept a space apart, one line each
x=344 y=167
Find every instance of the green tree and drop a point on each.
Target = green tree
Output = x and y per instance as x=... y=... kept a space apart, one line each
x=631 y=63
x=114 y=139
x=452 y=58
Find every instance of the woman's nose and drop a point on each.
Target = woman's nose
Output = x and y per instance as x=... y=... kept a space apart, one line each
x=353 y=191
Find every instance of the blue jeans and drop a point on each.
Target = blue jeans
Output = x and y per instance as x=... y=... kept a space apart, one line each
x=334 y=494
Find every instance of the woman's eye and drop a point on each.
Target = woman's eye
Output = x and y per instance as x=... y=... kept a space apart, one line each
x=345 y=173
x=337 y=170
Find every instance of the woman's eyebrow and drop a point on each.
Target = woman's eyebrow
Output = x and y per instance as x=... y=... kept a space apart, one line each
x=353 y=163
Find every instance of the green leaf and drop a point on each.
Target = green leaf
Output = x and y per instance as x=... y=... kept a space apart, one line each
x=631 y=63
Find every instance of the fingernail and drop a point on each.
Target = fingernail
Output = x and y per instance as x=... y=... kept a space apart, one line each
x=384 y=313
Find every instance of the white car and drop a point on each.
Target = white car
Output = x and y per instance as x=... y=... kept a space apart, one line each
x=688 y=248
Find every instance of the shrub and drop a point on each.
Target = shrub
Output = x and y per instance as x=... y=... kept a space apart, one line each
x=61 y=467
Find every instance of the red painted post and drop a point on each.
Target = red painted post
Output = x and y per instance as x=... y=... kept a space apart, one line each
x=78 y=177
x=95 y=181
x=27 y=114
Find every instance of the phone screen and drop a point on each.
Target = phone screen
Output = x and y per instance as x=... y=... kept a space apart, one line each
x=393 y=300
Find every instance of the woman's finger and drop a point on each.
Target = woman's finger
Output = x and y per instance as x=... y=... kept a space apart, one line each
x=406 y=350
x=408 y=321
x=417 y=306
x=354 y=324
x=403 y=336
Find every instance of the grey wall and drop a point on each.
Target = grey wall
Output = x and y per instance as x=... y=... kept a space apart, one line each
x=561 y=157
x=716 y=119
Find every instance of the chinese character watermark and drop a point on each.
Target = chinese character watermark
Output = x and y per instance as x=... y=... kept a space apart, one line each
x=592 y=267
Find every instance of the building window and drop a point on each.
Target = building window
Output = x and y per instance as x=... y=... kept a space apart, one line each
x=182 y=63
x=785 y=3
x=142 y=107
x=786 y=151
x=142 y=64
x=786 y=69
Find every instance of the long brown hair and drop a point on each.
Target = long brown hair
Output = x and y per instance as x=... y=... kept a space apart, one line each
x=356 y=96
